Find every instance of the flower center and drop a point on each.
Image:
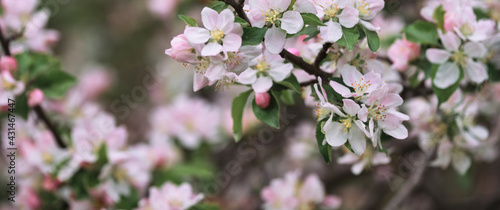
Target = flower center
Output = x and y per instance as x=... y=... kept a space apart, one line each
x=363 y=8
x=331 y=10
x=467 y=29
x=347 y=124
x=217 y=35
x=47 y=157
x=361 y=86
x=460 y=57
x=272 y=16
x=7 y=85
x=262 y=66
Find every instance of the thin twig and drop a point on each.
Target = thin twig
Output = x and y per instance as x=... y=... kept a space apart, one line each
x=298 y=61
x=409 y=185
x=5 y=42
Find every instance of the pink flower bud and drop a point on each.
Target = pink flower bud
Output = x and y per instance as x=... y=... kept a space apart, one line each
x=262 y=99
x=35 y=97
x=332 y=202
x=49 y=183
x=294 y=51
x=8 y=63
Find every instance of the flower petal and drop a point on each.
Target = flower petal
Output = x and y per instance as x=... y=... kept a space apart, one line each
x=196 y=35
x=215 y=72
x=363 y=113
x=226 y=21
x=350 y=75
x=475 y=50
x=332 y=32
x=349 y=17
x=476 y=71
x=231 y=43
x=211 y=49
x=199 y=81
x=342 y=90
x=292 y=22
x=437 y=55
x=275 y=40
x=262 y=84
x=350 y=107
x=399 y=133
x=334 y=135
x=280 y=71
x=209 y=17
x=357 y=140
x=357 y=168
x=369 y=25
x=446 y=75
x=461 y=161
x=247 y=77
x=450 y=41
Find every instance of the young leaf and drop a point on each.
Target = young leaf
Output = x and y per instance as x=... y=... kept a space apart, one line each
x=349 y=38
x=373 y=39
x=189 y=20
x=237 y=109
x=253 y=36
x=269 y=115
x=21 y=107
x=422 y=32
x=326 y=149
x=55 y=83
x=291 y=82
x=242 y=22
x=218 y=6
x=286 y=96
x=439 y=17
x=311 y=19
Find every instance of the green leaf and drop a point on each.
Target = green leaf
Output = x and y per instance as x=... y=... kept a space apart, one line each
x=373 y=39
x=422 y=32
x=130 y=201
x=349 y=37
x=324 y=149
x=291 y=82
x=481 y=14
x=237 y=109
x=205 y=206
x=309 y=30
x=439 y=17
x=189 y=20
x=242 y=22
x=55 y=83
x=269 y=115
x=253 y=35
x=311 y=19
x=286 y=96
x=21 y=106
x=218 y=6
x=444 y=94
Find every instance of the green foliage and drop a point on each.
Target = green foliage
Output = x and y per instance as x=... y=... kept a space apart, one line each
x=130 y=201
x=311 y=19
x=349 y=37
x=21 y=107
x=269 y=115
x=324 y=149
x=444 y=94
x=87 y=178
x=373 y=39
x=180 y=173
x=422 y=32
x=237 y=109
x=242 y=22
x=44 y=72
x=218 y=6
x=286 y=96
x=253 y=35
x=188 y=20
x=439 y=17
x=291 y=82
x=205 y=206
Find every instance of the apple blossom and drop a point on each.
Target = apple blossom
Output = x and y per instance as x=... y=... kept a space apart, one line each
x=220 y=34
x=9 y=87
x=171 y=197
x=274 y=15
x=35 y=97
x=8 y=63
x=456 y=56
x=362 y=84
x=402 y=52
x=370 y=158
x=338 y=13
x=264 y=70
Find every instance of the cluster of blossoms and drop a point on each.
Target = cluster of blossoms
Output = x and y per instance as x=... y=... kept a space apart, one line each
x=292 y=193
x=369 y=107
x=452 y=129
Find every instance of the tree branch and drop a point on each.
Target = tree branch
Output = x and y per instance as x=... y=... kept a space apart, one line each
x=5 y=42
x=322 y=54
x=298 y=61
x=238 y=7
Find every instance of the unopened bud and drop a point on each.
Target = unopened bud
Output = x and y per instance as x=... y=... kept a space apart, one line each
x=8 y=63
x=262 y=99
x=35 y=97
